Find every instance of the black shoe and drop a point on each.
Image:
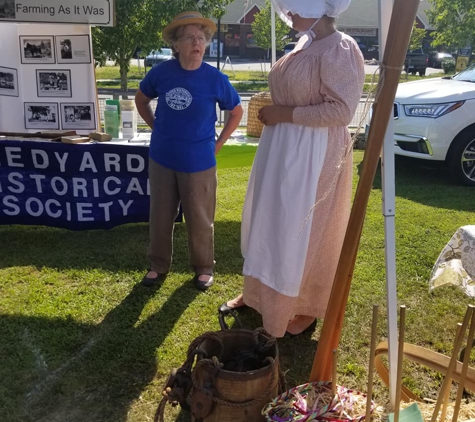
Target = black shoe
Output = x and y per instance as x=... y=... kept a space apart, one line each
x=225 y=310
x=152 y=281
x=309 y=329
x=203 y=285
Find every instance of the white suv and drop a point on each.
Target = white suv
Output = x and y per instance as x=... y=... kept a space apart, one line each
x=434 y=119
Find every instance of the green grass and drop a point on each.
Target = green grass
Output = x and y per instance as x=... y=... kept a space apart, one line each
x=113 y=72
x=240 y=78
x=81 y=340
x=404 y=77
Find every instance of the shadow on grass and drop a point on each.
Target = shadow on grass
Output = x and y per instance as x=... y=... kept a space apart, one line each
x=427 y=183
x=123 y=248
x=98 y=371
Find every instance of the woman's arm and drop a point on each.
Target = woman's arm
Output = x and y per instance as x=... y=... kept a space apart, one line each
x=342 y=77
x=273 y=114
x=232 y=123
x=142 y=103
x=341 y=84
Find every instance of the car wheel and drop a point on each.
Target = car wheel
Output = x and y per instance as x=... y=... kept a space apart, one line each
x=461 y=158
x=422 y=72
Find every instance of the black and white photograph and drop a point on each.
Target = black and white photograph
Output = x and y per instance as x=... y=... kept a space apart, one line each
x=73 y=49
x=53 y=83
x=78 y=116
x=37 y=49
x=8 y=82
x=41 y=116
x=7 y=9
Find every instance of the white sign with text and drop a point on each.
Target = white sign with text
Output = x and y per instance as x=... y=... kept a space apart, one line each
x=91 y=12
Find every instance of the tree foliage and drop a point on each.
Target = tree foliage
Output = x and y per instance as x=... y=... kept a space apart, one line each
x=261 y=29
x=417 y=36
x=454 y=21
x=139 y=24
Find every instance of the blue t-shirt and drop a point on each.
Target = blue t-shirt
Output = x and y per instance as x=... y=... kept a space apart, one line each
x=183 y=136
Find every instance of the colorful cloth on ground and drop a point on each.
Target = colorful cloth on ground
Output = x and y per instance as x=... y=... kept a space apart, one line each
x=456 y=262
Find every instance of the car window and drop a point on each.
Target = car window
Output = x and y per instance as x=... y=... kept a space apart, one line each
x=466 y=75
x=163 y=51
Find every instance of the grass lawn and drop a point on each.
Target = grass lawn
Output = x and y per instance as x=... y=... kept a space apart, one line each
x=244 y=80
x=82 y=341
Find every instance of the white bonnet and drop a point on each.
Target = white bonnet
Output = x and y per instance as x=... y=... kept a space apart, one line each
x=309 y=8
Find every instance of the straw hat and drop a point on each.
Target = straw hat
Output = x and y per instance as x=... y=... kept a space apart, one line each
x=186 y=18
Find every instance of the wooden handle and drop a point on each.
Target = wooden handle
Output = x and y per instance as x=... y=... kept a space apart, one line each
x=400 y=355
x=463 y=375
x=433 y=360
x=374 y=328
x=453 y=360
x=404 y=13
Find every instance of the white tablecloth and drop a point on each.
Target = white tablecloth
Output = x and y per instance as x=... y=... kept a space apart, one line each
x=456 y=262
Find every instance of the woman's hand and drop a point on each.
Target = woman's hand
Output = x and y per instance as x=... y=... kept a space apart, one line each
x=219 y=144
x=272 y=114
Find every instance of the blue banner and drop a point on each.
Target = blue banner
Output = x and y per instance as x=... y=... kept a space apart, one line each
x=78 y=187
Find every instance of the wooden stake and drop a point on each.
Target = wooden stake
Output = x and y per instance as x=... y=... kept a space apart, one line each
x=446 y=398
x=400 y=356
x=334 y=365
x=369 y=394
x=463 y=374
x=461 y=328
x=404 y=13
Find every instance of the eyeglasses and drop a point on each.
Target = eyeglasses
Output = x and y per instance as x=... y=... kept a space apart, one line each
x=190 y=39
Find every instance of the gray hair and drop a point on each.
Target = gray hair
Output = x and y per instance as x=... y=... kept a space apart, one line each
x=208 y=33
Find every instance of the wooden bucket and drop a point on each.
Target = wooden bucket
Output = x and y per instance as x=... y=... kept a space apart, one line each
x=257 y=101
x=241 y=396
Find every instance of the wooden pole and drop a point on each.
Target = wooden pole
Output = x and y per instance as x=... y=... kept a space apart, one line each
x=463 y=374
x=400 y=357
x=461 y=328
x=369 y=394
x=334 y=366
x=403 y=16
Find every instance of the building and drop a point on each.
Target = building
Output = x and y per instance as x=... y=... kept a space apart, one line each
x=360 y=21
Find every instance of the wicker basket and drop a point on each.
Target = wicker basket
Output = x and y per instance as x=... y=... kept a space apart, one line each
x=257 y=101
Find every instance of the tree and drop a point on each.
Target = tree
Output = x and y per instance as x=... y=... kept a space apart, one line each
x=139 y=24
x=261 y=29
x=417 y=36
x=455 y=22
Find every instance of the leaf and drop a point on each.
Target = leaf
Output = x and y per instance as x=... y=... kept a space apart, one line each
x=454 y=21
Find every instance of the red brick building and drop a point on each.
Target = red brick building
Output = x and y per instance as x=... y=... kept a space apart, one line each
x=360 y=21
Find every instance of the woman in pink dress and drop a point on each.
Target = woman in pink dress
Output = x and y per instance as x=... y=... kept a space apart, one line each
x=299 y=193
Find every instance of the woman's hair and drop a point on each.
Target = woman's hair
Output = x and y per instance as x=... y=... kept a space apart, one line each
x=208 y=33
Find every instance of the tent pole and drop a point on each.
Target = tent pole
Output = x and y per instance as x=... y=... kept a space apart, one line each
x=272 y=25
x=389 y=210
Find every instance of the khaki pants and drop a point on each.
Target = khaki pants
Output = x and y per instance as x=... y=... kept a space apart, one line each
x=197 y=193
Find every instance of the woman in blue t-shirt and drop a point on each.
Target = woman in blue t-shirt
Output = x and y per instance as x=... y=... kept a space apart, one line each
x=182 y=163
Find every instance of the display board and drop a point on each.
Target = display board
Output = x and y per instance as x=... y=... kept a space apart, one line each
x=47 y=79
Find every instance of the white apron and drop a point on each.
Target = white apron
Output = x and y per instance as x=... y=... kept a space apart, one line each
x=281 y=192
